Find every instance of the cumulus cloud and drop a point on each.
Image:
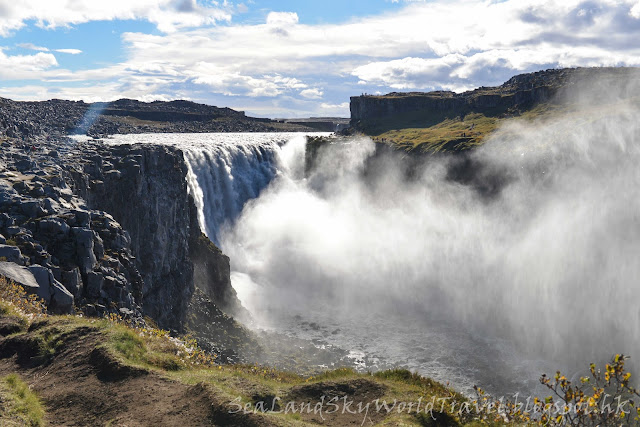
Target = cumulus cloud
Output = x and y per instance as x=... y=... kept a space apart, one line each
x=168 y=15
x=20 y=66
x=312 y=93
x=282 y=18
x=69 y=51
x=232 y=83
x=436 y=45
x=32 y=46
x=453 y=45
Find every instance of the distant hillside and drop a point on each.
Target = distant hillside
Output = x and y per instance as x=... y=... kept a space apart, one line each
x=59 y=118
x=448 y=121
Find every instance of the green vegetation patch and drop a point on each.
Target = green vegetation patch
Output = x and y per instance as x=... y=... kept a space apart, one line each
x=448 y=135
x=19 y=405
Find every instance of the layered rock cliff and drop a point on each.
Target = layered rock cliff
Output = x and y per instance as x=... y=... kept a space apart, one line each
x=144 y=188
x=107 y=229
x=517 y=94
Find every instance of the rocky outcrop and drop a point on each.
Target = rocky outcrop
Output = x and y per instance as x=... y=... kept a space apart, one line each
x=55 y=245
x=58 y=118
x=144 y=187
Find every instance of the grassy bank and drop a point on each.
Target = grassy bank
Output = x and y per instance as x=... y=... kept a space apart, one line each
x=92 y=371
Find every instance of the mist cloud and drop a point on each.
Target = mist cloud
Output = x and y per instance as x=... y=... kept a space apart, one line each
x=547 y=262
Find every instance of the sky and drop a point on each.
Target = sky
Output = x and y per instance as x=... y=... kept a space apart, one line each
x=297 y=58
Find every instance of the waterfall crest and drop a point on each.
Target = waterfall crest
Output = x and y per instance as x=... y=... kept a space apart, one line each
x=226 y=170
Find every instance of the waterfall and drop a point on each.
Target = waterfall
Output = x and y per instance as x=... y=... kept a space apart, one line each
x=224 y=177
x=226 y=170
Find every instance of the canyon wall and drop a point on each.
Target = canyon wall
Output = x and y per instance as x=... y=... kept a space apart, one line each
x=144 y=188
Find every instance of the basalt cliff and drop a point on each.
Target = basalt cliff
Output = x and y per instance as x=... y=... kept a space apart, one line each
x=107 y=230
x=449 y=121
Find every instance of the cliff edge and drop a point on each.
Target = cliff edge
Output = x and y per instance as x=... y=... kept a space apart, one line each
x=448 y=121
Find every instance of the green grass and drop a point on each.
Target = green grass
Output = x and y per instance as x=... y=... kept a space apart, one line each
x=448 y=131
x=144 y=350
x=20 y=405
x=447 y=135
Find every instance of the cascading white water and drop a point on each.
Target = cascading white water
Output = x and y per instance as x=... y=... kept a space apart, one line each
x=225 y=170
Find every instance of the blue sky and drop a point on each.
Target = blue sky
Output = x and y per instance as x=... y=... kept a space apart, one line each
x=293 y=58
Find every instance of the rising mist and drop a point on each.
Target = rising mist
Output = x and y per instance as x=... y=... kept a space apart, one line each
x=546 y=262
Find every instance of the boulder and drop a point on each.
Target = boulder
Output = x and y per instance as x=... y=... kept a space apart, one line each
x=11 y=253
x=73 y=282
x=61 y=299
x=58 y=299
x=13 y=230
x=83 y=218
x=5 y=219
x=54 y=226
x=2 y=240
x=50 y=205
x=32 y=208
x=7 y=193
x=20 y=275
x=25 y=165
x=44 y=278
x=94 y=284
x=84 y=249
x=113 y=174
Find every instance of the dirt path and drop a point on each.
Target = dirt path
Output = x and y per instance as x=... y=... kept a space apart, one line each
x=84 y=386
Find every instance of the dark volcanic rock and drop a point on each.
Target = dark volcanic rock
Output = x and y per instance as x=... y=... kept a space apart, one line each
x=62 y=243
x=144 y=187
x=57 y=118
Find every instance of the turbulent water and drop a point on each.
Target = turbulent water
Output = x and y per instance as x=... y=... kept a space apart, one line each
x=419 y=269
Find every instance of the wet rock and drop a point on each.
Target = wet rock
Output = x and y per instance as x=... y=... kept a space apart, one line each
x=2 y=240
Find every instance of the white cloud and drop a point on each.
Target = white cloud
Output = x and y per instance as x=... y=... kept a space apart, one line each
x=336 y=110
x=32 y=46
x=282 y=18
x=14 y=67
x=312 y=93
x=236 y=84
x=454 y=45
x=69 y=51
x=168 y=15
